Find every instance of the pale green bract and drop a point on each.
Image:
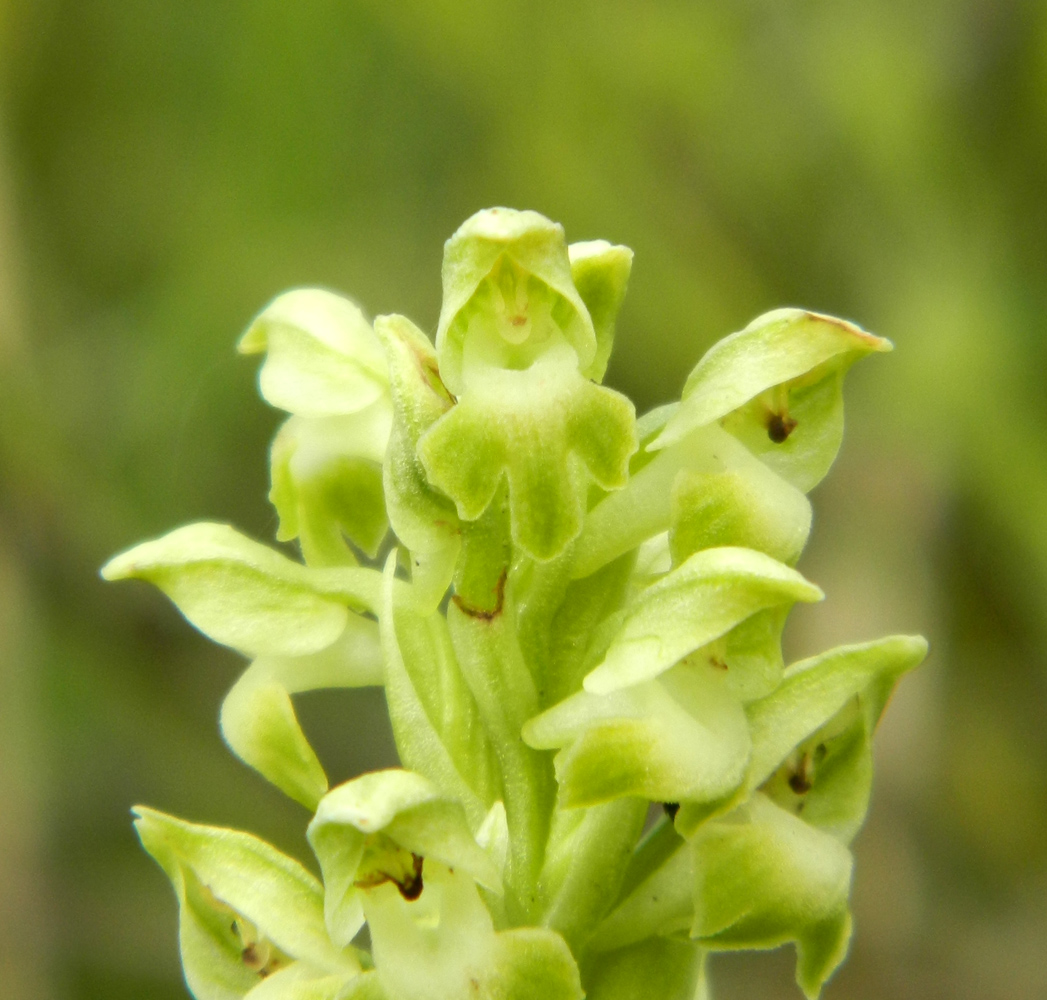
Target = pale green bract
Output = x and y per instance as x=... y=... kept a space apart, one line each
x=576 y=617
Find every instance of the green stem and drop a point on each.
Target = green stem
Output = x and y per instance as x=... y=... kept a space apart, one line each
x=495 y=670
x=587 y=867
x=483 y=625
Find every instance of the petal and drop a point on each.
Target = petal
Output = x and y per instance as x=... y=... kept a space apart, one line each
x=814 y=690
x=322 y=355
x=777 y=385
x=699 y=601
x=272 y=891
x=444 y=947
x=600 y=272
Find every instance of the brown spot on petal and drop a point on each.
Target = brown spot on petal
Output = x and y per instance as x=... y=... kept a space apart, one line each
x=779 y=427
x=799 y=784
x=256 y=957
x=411 y=887
x=800 y=780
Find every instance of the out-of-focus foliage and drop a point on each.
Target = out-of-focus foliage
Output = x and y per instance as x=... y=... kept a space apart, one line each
x=166 y=167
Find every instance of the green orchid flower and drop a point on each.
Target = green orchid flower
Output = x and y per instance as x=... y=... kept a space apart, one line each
x=576 y=618
x=518 y=346
x=325 y=366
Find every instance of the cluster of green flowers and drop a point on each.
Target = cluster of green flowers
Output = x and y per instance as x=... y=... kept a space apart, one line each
x=575 y=614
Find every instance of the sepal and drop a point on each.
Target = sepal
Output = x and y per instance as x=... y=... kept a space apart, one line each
x=701 y=600
x=245 y=909
x=509 y=296
x=682 y=736
x=777 y=386
x=322 y=357
x=775 y=517
x=259 y=725
x=245 y=595
x=424 y=519
x=327 y=483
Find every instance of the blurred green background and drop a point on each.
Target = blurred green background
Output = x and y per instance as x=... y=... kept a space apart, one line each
x=167 y=166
